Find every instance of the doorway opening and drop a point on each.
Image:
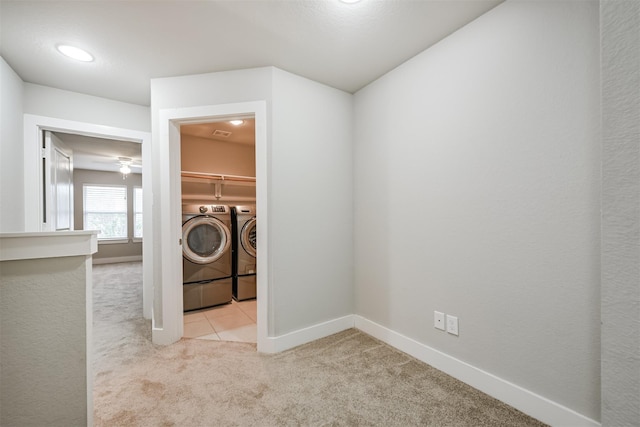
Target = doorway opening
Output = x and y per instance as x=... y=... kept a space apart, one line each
x=71 y=131
x=104 y=198
x=219 y=233
x=168 y=309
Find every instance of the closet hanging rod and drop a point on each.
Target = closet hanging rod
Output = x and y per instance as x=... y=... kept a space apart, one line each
x=223 y=177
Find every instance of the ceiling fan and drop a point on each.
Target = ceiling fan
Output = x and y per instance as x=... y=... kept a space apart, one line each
x=126 y=163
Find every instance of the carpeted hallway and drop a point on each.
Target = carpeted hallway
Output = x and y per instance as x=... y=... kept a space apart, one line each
x=346 y=379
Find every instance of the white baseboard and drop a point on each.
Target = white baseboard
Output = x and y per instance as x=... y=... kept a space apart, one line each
x=115 y=260
x=524 y=400
x=160 y=336
x=311 y=333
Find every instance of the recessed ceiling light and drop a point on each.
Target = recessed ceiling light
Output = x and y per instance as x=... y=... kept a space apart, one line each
x=74 y=53
x=236 y=122
x=349 y=1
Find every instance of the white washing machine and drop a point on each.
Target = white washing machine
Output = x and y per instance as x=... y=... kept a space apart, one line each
x=245 y=252
x=207 y=271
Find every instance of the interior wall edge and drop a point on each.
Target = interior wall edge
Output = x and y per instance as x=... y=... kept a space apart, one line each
x=620 y=248
x=11 y=151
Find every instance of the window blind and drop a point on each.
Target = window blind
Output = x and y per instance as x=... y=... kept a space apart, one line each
x=105 y=209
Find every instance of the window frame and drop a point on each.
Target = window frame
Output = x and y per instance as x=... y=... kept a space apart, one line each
x=134 y=238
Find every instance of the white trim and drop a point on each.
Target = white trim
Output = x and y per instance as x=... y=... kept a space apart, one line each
x=168 y=318
x=117 y=259
x=116 y=241
x=33 y=125
x=88 y=310
x=160 y=336
x=524 y=400
x=311 y=333
x=52 y=244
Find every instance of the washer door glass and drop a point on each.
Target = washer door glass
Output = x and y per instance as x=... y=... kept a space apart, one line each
x=204 y=239
x=248 y=237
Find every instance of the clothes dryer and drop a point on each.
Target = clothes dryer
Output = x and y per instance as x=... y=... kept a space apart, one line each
x=206 y=255
x=245 y=252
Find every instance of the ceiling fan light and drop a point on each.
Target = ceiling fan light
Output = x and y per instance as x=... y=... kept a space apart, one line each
x=125 y=169
x=75 y=53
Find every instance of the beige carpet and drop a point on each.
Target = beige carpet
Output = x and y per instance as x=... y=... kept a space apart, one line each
x=347 y=379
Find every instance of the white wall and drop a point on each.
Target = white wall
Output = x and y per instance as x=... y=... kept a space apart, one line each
x=311 y=199
x=11 y=150
x=309 y=186
x=620 y=21
x=477 y=194
x=62 y=104
x=184 y=92
x=19 y=98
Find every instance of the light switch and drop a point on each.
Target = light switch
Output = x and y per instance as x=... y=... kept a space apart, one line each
x=452 y=325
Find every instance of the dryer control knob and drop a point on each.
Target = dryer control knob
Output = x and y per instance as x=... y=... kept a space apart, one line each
x=203 y=209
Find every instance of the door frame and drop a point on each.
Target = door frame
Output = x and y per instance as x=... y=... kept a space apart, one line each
x=33 y=126
x=169 y=257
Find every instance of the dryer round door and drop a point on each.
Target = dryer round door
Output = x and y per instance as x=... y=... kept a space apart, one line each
x=205 y=239
x=248 y=237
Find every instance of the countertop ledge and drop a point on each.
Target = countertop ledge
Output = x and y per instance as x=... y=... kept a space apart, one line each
x=34 y=245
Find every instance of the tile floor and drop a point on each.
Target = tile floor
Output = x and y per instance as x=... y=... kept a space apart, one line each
x=235 y=321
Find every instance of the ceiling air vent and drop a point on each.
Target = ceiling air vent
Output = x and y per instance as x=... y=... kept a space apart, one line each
x=221 y=133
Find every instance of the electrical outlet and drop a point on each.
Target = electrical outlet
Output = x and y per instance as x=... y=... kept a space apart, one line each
x=438 y=320
x=452 y=325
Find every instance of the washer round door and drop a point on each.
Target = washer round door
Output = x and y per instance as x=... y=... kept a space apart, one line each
x=205 y=239
x=248 y=237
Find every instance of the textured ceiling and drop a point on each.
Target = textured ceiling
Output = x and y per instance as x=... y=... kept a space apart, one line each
x=342 y=45
x=101 y=154
x=244 y=133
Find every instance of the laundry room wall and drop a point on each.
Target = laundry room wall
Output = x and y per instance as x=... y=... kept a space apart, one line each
x=108 y=252
x=218 y=157
x=493 y=135
x=202 y=155
x=11 y=150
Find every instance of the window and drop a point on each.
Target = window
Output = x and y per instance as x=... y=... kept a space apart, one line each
x=105 y=209
x=137 y=212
